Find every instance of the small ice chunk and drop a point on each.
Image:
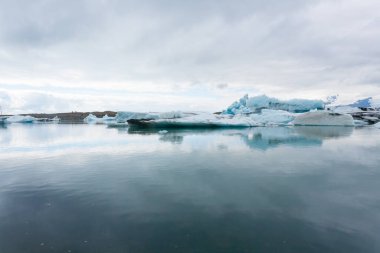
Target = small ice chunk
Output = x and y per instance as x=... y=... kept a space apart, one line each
x=163 y=131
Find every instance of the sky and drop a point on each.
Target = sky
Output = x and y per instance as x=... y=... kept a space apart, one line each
x=162 y=55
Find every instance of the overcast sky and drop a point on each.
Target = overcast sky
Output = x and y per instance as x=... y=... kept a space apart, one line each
x=157 y=55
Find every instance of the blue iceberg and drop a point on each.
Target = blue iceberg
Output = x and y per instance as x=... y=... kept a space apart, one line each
x=247 y=105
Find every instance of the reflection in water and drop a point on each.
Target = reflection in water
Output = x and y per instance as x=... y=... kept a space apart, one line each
x=267 y=137
x=326 y=132
x=261 y=138
x=173 y=138
x=80 y=188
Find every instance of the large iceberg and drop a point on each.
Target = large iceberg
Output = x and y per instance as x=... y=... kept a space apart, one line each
x=246 y=112
x=323 y=118
x=20 y=119
x=362 y=103
x=201 y=119
x=254 y=104
x=196 y=120
x=122 y=117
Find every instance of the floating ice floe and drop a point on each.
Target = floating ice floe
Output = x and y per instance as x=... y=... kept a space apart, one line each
x=377 y=125
x=20 y=119
x=323 y=118
x=163 y=131
x=253 y=104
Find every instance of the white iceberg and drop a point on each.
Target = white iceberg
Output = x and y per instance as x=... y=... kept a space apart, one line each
x=345 y=109
x=323 y=118
x=171 y=115
x=197 y=120
x=107 y=118
x=253 y=104
x=273 y=117
x=91 y=118
x=3 y=119
x=56 y=119
x=377 y=125
x=122 y=117
x=20 y=119
x=366 y=104
x=203 y=119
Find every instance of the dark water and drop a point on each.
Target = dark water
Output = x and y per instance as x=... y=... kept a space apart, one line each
x=80 y=188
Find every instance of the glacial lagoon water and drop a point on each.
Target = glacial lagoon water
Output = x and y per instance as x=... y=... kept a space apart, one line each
x=89 y=188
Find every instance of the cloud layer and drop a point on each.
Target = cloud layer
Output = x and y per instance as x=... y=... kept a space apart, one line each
x=159 y=55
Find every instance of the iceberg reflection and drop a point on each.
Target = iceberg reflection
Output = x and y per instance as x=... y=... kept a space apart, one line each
x=261 y=138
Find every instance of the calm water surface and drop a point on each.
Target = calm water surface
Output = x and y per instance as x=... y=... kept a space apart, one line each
x=82 y=188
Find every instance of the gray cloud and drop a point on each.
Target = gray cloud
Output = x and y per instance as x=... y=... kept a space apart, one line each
x=302 y=48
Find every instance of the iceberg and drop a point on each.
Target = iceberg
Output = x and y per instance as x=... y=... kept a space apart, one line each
x=269 y=117
x=107 y=118
x=366 y=104
x=194 y=120
x=56 y=119
x=323 y=118
x=122 y=117
x=3 y=119
x=377 y=125
x=20 y=119
x=346 y=109
x=91 y=118
x=201 y=119
x=171 y=115
x=362 y=103
x=247 y=105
